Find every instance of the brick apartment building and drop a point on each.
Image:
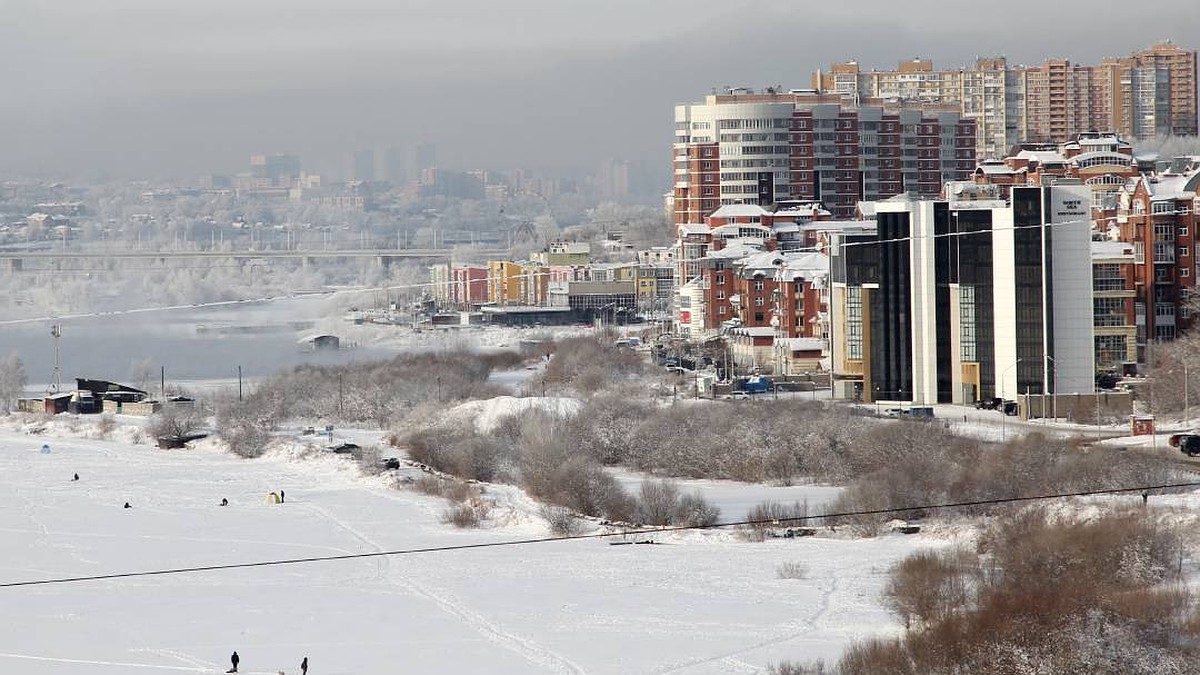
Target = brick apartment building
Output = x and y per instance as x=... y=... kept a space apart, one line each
x=746 y=148
x=1157 y=214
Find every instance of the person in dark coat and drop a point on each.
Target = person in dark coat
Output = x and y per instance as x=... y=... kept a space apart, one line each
x=224 y=501
x=304 y=666
x=234 y=660
x=281 y=496
x=128 y=506
x=76 y=477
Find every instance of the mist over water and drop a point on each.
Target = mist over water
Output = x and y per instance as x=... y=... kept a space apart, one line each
x=195 y=343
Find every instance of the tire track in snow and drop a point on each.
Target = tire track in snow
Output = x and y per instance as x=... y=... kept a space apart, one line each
x=823 y=606
x=524 y=647
x=93 y=662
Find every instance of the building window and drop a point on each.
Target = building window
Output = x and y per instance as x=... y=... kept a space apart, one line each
x=966 y=313
x=1108 y=311
x=758 y=302
x=758 y=285
x=721 y=310
x=720 y=279
x=758 y=317
x=1183 y=251
x=1183 y=232
x=1110 y=349
x=854 y=327
x=1185 y=272
x=720 y=295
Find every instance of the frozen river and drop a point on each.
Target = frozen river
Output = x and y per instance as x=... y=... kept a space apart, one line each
x=191 y=343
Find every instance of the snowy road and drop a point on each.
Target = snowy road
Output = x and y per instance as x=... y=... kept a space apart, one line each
x=701 y=603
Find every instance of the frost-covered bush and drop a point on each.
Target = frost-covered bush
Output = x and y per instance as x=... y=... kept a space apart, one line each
x=590 y=364
x=377 y=392
x=1044 y=594
x=662 y=503
x=562 y=521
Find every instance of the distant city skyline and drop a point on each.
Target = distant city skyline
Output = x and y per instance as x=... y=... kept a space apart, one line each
x=133 y=89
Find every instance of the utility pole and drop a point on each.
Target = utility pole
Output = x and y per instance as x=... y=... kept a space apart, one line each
x=239 y=383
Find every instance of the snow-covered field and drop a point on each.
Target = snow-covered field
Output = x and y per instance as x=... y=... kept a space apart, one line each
x=700 y=602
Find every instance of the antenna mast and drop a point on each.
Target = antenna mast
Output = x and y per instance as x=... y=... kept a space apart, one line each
x=56 y=379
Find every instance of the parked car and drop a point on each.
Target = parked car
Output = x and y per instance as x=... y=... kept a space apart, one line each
x=1188 y=444
x=989 y=403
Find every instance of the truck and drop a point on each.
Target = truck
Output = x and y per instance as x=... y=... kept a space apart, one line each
x=755 y=384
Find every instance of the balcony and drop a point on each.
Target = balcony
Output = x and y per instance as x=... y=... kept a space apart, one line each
x=1102 y=285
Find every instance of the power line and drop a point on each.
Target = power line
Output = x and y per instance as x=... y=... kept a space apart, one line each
x=599 y=535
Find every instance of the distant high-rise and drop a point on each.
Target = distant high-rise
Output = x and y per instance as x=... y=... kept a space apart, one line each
x=389 y=165
x=360 y=165
x=276 y=170
x=419 y=158
x=1151 y=92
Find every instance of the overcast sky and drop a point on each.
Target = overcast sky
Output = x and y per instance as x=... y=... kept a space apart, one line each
x=176 y=88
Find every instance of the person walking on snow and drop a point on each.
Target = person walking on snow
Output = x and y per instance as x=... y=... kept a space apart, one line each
x=234 y=660
x=304 y=666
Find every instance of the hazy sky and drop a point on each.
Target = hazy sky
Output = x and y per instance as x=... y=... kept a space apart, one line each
x=146 y=88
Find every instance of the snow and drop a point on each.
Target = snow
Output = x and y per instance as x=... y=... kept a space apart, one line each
x=736 y=499
x=488 y=413
x=700 y=602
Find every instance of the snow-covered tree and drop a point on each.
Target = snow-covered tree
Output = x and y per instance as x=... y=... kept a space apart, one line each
x=12 y=381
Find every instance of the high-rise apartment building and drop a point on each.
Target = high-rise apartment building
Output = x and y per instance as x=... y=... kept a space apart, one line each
x=989 y=94
x=1151 y=92
x=747 y=148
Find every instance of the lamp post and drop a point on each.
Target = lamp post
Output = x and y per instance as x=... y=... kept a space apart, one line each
x=1004 y=404
x=1186 y=407
x=1054 y=364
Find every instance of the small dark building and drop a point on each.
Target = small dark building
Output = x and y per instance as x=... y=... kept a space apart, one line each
x=530 y=316
x=320 y=343
x=173 y=442
x=110 y=391
x=51 y=404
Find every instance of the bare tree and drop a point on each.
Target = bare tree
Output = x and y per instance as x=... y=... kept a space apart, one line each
x=12 y=381
x=176 y=421
x=142 y=373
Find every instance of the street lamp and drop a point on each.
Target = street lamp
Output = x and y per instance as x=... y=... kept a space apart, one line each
x=1055 y=365
x=1004 y=404
x=1187 y=409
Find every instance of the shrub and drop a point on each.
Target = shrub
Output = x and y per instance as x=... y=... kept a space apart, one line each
x=175 y=421
x=792 y=570
x=661 y=503
x=791 y=668
x=105 y=426
x=589 y=364
x=1043 y=594
x=562 y=522
x=468 y=515
x=769 y=515
x=925 y=586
